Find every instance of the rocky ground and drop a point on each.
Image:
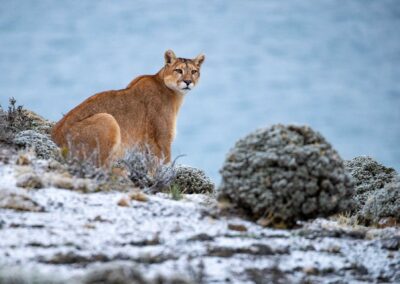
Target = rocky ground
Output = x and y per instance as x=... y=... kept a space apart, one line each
x=58 y=235
x=60 y=225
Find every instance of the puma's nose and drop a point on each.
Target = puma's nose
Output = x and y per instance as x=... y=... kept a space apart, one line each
x=187 y=82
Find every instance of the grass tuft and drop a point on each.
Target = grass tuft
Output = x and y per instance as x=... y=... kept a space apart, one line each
x=175 y=192
x=147 y=171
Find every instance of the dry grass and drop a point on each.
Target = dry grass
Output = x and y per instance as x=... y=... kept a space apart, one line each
x=346 y=219
x=147 y=171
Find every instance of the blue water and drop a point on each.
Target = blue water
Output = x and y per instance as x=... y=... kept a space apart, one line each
x=334 y=65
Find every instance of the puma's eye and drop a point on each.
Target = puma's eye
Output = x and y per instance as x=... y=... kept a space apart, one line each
x=194 y=71
x=179 y=71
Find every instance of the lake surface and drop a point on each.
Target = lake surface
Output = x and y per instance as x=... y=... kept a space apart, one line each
x=334 y=65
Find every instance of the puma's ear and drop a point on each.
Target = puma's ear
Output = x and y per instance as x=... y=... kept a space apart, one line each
x=169 y=56
x=199 y=59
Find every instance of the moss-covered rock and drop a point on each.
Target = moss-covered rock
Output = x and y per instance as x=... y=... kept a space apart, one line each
x=282 y=174
x=192 y=180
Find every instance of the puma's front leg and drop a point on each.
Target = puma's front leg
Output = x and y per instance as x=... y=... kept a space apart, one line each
x=164 y=142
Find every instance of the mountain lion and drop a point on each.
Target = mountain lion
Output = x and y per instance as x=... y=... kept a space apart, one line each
x=143 y=114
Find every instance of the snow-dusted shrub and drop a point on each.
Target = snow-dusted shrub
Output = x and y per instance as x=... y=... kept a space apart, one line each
x=84 y=168
x=192 y=180
x=6 y=133
x=376 y=192
x=12 y=121
x=282 y=174
x=382 y=203
x=147 y=171
x=43 y=146
x=368 y=175
x=16 y=119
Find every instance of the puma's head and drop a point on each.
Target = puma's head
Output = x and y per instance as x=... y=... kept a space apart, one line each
x=181 y=74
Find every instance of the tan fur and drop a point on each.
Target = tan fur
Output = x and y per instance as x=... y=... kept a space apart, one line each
x=143 y=114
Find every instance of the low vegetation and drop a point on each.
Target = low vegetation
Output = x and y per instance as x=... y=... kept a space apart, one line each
x=148 y=172
x=175 y=192
x=13 y=120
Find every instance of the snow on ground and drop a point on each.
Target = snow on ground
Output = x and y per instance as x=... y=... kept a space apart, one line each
x=78 y=233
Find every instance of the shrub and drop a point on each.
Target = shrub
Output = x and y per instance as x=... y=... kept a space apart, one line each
x=282 y=174
x=376 y=193
x=147 y=171
x=383 y=203
x=368 y=175
x=192 y=180
x=43 y=146
x=12 y=121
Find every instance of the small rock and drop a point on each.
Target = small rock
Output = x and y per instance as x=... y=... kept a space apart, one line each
x=17 y=200
x=237 y=227
x=391 y=243
x=202 y=237
x=124 y=201
x=23 y=160
x=387 y=222
x=89 y=226
x=138 y=196
x=72 y=257
x=62 y=182
x=310 y=270
x=334 y=249
x=30 y=180
x=100 y=219
x=254 y=249
x=264 y=222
